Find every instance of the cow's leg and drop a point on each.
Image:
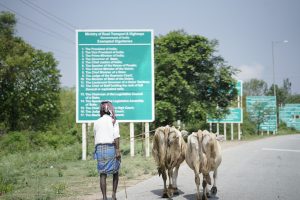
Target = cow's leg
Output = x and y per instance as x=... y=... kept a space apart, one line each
x=197 y=181
x=170 y=189
x=206 y=178
x=175 y=175
x=204 y=184
x=214 y=189
x=165 y=192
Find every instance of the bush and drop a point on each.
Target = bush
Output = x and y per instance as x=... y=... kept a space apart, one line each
x=14 y=142
x=6 y=182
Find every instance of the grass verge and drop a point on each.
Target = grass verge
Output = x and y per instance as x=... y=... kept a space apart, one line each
x=59 y=174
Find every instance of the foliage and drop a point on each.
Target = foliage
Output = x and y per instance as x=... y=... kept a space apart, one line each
x=189 y=75
x=55 y=173
x=255 y=87
x=260 y=114
x=6 y=183
x=282 y=93
x=293 y=98
x=248 y=127
x=31 y=140
x=29 y=81
x=59 y=187
x=165 y=112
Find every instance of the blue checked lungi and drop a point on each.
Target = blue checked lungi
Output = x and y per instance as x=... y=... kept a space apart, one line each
x=105 y=154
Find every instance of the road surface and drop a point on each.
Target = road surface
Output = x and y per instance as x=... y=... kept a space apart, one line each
x=267 y=169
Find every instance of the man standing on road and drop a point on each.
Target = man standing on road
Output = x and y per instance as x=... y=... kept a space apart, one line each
x=107 y=147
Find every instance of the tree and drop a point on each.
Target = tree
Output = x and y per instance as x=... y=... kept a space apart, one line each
x=29 y=81
x=282 y=93
x=255 y=87
x=190 y=77
x=293 y=98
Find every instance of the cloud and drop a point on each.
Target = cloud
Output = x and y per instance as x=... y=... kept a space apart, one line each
x=248 y=72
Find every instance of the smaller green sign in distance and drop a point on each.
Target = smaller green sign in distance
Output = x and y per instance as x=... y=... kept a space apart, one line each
x=115 y=65
x=239 y=87
x=235 y=116
x=267 y=108
x=290 y=114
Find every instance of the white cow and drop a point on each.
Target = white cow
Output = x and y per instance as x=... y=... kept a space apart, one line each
x=203 y=155
x=168 y=151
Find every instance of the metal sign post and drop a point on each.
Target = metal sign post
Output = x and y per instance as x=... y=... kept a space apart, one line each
x=84 y=146
x=147 y=140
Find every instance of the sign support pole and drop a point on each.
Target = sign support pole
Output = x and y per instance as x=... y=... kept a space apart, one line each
x=225 y=134
x=147 y=139
x=231 y=128
x=131 y=139
x=239 y=131
x=84 y=141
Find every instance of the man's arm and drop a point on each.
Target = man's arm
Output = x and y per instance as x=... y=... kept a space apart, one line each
x=117 y=145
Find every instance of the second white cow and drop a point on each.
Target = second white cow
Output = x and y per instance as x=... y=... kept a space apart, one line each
x=203 y=155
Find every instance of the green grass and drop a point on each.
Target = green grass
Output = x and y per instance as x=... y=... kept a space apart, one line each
x=54 y=174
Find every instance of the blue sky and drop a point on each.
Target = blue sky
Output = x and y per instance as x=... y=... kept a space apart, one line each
x=245 y=29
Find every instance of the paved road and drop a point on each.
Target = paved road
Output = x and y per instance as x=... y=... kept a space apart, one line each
x=267 y=169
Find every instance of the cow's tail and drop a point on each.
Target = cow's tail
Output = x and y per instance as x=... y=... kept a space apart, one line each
x=158 y=150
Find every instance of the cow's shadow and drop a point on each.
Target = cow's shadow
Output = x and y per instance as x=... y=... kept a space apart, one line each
x=159 y=192
x=186 y=196
x=193 y=197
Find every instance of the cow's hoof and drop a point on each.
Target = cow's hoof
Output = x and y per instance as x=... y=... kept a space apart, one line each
x=175 y=191
x=214 y=190
x=208 y=195
x=204 y=197
x=165 y=195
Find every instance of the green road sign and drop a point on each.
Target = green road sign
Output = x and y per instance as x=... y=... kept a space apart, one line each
x=264 y=107
x=239 y=87
x=235 y=116
x=115 y=65
x=290 y=114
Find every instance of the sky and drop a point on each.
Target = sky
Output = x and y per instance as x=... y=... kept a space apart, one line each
x=245 y=29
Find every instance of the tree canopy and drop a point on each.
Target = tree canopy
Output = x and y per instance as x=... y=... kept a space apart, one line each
x=29 y=81
x=255 y=87
x=190 y=79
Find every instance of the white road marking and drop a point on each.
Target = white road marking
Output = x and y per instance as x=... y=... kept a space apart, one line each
x=287 y=150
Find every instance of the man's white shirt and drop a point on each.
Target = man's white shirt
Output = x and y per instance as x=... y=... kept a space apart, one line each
x=105 y=131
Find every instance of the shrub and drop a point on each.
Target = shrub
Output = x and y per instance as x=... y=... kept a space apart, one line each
x=14 y=142
x=59 y=187
x=6 y=183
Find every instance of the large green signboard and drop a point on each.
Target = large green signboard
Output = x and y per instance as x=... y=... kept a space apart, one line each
x=235 y=116
x=263 y=108
x=115 y=65
x=290 y=114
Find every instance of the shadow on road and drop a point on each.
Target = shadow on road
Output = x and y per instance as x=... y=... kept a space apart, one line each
x=193 y=196
x=160 y=192
x=187 y=196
